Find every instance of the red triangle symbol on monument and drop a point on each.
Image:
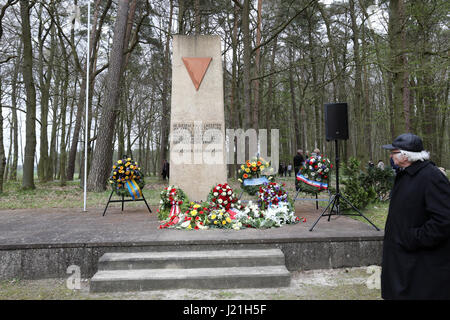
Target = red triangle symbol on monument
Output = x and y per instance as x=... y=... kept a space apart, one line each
x=196 y=68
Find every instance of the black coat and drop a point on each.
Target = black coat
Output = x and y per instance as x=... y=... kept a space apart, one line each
x=298 y=161
x=416 y=247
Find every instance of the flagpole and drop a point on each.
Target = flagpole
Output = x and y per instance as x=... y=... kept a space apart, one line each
x=86 y=107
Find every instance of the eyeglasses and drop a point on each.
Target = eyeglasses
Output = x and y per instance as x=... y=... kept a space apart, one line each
x=392 y=153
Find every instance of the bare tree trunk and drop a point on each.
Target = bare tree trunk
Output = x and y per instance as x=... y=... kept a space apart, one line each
x=8 y=161
x=270 y=105
x=64 y=103
x=101 y=162
x=27 y=70
x=245 y=25
x=197 y=22
x=45 y=78
x=398 y=66
x=180 y=18
x=120 y=135
x=315 y=105
x=293 y=103
x=165 y=117
x=51 y=167
x=233 y=96
x=367 y=114
x=15 y=135
x=357 y=105
x=2 y=148
x=256 y=93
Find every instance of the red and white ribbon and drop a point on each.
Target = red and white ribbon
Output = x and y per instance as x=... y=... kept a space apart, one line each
x=232 y=214
x=175 y=210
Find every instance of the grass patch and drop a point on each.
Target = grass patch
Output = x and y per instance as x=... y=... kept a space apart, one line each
x=375 y=212
x=36 y=290
x=52 y=195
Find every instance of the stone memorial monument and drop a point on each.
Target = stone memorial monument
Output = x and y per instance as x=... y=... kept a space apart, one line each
x=197 y=121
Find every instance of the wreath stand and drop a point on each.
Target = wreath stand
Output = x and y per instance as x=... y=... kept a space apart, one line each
x=334 y=200
x=308 y=199
x=123 y=201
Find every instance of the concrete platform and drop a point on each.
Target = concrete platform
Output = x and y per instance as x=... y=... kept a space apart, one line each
x=42 y=243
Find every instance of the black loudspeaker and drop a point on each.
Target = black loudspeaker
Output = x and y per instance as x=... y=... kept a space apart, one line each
x=336 y=121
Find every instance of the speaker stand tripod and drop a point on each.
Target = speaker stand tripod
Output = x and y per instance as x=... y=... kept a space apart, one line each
x=335 y=200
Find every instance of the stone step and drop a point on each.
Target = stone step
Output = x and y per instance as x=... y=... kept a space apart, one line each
x=191 y=259
x=195 y=278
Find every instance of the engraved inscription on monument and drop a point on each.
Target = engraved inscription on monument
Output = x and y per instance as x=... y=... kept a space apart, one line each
x=197 y=142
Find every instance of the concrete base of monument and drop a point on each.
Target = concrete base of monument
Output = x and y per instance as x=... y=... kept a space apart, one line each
x=43 y=243
x=208 y=269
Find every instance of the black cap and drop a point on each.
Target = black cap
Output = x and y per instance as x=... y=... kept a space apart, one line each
x=407 y=142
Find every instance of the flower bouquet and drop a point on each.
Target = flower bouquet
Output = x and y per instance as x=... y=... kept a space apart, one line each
x=276 y=216
x=254 y=168
x=314 y=175
x=173 y=200
x=271 y=194
x=223 y=197
x=253 y=217
x=126 y=178
x=221 y=218
x=195 y=217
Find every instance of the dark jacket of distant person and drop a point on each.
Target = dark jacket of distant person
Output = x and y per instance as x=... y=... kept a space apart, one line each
x=298 y=162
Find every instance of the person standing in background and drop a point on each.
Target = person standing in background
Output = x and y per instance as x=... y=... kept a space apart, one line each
x=165 y=170
x=298 y=161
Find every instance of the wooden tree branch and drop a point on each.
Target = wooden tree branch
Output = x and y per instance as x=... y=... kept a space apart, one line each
x=7 y=59
x=102 y=20
x=237 y=3
x=24 y=111
x=269 y=74
x=3 y=11
x=135 y=39
x=283 y=26
x=61 y=32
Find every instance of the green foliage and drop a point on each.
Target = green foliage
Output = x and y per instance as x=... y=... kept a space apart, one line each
x=358 y=194
x=380 y=180
x=250 y=190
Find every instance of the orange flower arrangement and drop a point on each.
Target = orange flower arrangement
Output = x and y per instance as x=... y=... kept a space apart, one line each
x=251 y=169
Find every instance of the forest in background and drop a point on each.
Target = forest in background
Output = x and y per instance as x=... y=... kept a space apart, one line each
x=282 y=60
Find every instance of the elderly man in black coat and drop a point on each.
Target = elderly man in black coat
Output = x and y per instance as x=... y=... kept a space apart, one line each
x=416 y=247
